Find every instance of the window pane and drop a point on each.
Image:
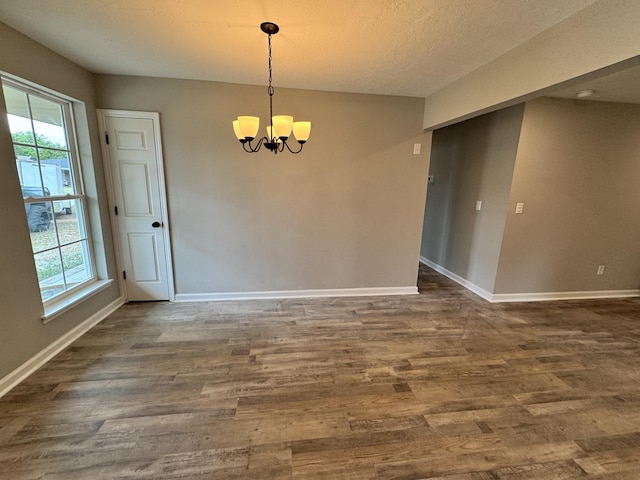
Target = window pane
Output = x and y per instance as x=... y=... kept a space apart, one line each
x=19 y=117
x=48 y=123
x=70 y=225
x=56 y=173
x=29 y=174
x=21 y=130
x=39 y=215
x=25 y=154
x=77 y=266
x=56 y=169
x=41 y=226
x=49 y=271
x=33 y=191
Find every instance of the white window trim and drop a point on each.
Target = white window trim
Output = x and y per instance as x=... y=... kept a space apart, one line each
x=63 y=302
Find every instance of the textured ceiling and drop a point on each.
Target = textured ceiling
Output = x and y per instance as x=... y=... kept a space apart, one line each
x=397 y=47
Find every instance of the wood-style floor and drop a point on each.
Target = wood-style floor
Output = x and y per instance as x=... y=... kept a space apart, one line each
x=441 y=385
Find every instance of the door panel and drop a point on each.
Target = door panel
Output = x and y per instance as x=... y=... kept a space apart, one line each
x=131 y=140
x=144 y=257
x=136 y=190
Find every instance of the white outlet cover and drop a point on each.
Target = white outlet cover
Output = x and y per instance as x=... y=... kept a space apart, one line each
x=416 y=148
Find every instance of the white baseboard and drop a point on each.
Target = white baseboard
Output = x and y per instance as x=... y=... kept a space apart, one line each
x=458 y=279
x=42 y=357
x=529 y=297
x=546 y=296
x=280 y=294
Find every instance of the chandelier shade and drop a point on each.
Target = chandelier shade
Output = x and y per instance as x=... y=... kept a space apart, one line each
x=280 y=126
x=248 y=126
x=283 y=124
x=301 y=130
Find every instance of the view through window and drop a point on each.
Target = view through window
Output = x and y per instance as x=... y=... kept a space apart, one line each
x=55 y=205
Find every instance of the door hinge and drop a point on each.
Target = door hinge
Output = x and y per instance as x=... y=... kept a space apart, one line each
x=106 y=137
x=116 y=209
x=124 y=275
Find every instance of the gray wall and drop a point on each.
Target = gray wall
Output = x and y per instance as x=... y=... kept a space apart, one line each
x=22 y=331
x=578 y=174
x=345 y=213
x=471 y=161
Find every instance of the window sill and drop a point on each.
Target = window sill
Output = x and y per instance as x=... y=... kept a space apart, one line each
x=56 y=309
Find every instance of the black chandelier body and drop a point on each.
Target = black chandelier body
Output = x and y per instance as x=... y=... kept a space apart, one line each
x=280 y=126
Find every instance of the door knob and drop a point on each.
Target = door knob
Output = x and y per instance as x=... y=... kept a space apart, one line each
x=156 y=224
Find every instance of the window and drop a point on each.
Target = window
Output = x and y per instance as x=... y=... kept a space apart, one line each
x=55 y=205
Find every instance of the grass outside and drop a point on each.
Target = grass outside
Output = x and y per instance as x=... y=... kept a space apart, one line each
x=48 y=263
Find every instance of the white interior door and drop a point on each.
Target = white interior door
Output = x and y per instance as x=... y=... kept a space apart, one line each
x=134 y=156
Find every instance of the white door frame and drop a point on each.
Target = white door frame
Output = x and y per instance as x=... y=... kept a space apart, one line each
x=166 y=237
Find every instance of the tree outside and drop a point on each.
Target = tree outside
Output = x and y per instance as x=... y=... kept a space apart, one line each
x=48 y=149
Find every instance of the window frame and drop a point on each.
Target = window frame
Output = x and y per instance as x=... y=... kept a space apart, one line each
x=60 y=302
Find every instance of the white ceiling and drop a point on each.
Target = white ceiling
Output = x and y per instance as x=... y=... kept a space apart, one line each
x=395 y=47
x=623 y=86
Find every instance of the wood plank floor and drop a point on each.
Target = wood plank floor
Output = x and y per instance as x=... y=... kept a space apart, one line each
x=441 y=385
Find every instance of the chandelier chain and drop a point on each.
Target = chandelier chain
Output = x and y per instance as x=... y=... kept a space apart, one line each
x=270 y=91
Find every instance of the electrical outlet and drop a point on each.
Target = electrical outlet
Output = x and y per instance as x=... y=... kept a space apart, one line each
x=519 y=208
x=431 y=178
x=479 y=205
x=416 y=148
x=600 y=270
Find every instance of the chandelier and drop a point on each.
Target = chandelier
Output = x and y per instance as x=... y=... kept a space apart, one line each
x=280 y=126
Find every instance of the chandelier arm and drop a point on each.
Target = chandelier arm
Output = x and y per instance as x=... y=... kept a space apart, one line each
x=253 y=149
x=293 y=151
x=260 y=143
